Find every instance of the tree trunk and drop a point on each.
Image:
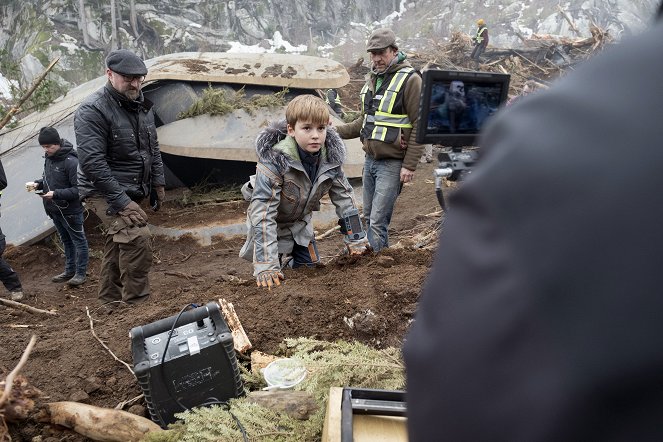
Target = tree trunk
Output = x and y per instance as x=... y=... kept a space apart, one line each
x=113 y=43
x=118 y=22
x=83 y=22
x=133 y=17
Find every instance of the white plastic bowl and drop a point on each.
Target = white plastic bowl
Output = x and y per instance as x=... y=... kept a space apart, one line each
x=284 y=373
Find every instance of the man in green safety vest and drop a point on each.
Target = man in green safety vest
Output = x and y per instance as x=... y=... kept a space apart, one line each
x=480 y=40
x=334 y=101
x=389 y=113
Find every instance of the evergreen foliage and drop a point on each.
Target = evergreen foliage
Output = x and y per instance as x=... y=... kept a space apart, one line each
x=221 y=102
x=349 y=364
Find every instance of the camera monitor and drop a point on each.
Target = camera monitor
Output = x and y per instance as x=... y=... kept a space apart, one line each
x=455 y=105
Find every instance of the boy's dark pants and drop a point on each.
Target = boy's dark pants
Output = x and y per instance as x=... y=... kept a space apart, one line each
x=305 y=256
x=127 y=257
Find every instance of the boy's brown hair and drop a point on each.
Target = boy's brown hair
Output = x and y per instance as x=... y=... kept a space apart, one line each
x=307 y=108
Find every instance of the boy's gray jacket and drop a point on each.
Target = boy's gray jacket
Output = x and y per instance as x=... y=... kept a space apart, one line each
x=283 y=197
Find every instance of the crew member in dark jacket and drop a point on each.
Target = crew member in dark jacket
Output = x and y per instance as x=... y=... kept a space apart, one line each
x=59 y=186
x=8 y=276
x=120 y=165
x=541 y=318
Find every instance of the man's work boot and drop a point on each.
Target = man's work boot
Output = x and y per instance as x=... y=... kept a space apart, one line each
x=62 y=277
x=17 y=295
x=76 y=280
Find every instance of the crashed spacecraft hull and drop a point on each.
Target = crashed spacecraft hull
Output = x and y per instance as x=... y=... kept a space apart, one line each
x=219 y=148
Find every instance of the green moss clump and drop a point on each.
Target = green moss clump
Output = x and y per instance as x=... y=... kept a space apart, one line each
x=221 y=102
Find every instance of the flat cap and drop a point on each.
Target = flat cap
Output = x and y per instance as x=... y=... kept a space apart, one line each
x=125 y=62
x=380 y=39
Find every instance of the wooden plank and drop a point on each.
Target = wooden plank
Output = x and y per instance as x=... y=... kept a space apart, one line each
x=331 y=430
x=365 y=428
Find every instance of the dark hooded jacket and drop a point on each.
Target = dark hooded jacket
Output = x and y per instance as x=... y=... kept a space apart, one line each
x=60 y=176
x=118 y=149
x=283 y=196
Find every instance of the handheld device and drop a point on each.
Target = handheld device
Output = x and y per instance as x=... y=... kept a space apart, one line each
x=354 y=228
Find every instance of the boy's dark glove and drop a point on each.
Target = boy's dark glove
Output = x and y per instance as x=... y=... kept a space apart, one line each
x=133 y=215
x=341 y=223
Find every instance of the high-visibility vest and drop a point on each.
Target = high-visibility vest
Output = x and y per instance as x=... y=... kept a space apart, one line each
x=384 y=114
x=337 y=100
x=479 y=37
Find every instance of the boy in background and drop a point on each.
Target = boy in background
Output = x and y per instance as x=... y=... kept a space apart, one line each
x=299 y=161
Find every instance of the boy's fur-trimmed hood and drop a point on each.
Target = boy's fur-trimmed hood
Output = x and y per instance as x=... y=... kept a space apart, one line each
x=276 y=131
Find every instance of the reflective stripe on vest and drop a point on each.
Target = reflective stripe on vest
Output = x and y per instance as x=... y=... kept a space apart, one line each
x=383 y=119
x=337 y=100
x=479 y=37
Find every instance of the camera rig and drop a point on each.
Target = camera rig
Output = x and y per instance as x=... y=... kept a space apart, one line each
x=453 y=165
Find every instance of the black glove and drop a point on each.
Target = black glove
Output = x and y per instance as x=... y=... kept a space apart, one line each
x=133 y=215
x=341 y=223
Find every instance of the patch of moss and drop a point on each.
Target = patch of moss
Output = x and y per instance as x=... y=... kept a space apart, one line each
x=222 y=102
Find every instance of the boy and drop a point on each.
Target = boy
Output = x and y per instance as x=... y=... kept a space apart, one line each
x=59 y=187
x=293 y=173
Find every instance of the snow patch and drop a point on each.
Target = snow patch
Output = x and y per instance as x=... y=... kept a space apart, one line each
x=277 y=43
x=5 y=87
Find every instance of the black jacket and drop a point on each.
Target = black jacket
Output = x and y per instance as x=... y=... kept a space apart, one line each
x=117 y=147
x=60 y=176
x=541 y=317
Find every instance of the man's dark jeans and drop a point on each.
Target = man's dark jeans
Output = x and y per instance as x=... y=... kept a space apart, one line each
x=71 y=232
x=7 y=275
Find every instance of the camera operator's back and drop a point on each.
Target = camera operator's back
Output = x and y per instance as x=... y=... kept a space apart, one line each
x=540 y=319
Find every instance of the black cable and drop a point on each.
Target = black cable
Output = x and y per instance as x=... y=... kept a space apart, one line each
x=226 y=405
x=163 y=357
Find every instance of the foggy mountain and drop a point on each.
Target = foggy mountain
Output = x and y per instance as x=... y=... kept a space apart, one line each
x=82 y=32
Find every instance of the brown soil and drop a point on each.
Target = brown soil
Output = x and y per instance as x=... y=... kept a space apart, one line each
x=68 y=363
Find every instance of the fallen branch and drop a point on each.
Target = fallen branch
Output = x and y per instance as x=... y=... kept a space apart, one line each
x=87 y=311
x=9 y=381
x=241 y=341
x=178 y=274
x=101 y=424
x=129 y=402
x=27 y=308
x=328 y=233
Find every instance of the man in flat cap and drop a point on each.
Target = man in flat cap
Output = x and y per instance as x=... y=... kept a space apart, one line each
x=120 y=165
x=389 y=113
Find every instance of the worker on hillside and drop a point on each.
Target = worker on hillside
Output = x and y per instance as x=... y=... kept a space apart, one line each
x=334 y=101
x=8 y=276
x=480 y=40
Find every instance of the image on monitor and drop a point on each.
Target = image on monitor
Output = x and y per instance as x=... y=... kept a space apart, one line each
x=456 y=105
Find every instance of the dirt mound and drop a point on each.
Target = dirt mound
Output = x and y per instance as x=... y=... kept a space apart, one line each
x=371 y=299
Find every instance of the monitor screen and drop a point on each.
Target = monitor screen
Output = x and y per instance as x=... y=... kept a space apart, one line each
x=455 y=105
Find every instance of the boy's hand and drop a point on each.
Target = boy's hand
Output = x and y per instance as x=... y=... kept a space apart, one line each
x=359 y=247
x=268 y=278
